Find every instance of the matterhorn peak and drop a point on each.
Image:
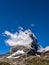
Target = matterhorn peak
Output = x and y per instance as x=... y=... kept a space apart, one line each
x=20 y=41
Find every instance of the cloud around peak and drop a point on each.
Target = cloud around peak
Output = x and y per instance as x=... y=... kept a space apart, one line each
x=22 y=38
x=42 y=50
x=19 y=38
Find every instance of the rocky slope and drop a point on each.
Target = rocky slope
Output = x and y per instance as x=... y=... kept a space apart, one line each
x=25 y=60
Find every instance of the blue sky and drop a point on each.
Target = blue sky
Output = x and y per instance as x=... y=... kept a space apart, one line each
x=15 y=13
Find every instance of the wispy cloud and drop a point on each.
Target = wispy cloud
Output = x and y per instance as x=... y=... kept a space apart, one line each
x=20 y=28
x=32 y=25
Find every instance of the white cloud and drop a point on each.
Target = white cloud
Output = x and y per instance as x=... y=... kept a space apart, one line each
x=41 y=49
x=20 y=28
x=21 y=38
x=47 y=48
x=32 y=25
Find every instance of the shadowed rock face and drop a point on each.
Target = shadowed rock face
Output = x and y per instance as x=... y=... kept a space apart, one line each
x=4 y=63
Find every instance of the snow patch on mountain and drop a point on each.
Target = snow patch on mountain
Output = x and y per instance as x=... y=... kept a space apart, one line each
x=16 y=53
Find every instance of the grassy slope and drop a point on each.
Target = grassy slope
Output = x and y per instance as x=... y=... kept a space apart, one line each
x=31 y=60
x=37 y=61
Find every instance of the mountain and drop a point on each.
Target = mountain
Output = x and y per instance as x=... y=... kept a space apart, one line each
x=27 y=43
x=27 y=53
